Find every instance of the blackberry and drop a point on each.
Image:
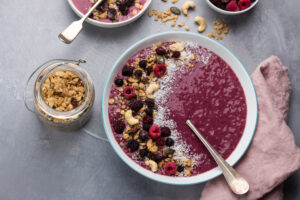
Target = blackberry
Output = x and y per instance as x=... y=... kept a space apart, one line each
x=127 y=70
x=157 y=157
x=180 y=168
x=161 y=141
x=143 y=136
x=138 y=73
x=150 y=103
x=143 y=152
x=176 y=54
x=165 y=132
x=149 y=70
x=133 y=145
x=118 y=126
x=169 y=142
x=149 y=112
x=136 y=105
x=160 y=51
x=119 y=82
x=143 y=64
x=148 y=120
x=146 y=127
x=111 y=13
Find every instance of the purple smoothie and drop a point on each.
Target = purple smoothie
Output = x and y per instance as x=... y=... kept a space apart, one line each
x=202 y=88
x=84 y=5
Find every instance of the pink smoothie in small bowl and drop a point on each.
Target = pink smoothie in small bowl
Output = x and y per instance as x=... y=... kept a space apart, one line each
x=199 y=86
x=84 y=5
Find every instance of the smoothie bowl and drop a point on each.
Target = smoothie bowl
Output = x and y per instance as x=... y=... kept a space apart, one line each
x=162 y=81
x=111 y=13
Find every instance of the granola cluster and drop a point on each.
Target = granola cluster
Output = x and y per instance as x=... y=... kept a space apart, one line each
x=63 y=90
x=134 y=102
x=113 y=9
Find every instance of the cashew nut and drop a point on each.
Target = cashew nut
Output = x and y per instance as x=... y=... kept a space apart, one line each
x=153 y=87
x=151 y=146
x=130 y=119
x=152 y=164
x=186 y=6
x=177 y=47
x=202 y=23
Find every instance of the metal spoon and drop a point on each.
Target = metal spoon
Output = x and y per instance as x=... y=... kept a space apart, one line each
x=235 y=181
x=71 y=32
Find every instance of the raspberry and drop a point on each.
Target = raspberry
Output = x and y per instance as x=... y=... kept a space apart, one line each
x=232 y=6
x=154 y=132
x=160 y=51
x=133 y=145
x=146 y=127
x=161 y=141
x=138 y=73
x=143 y=136
x=149 y=111
x=169 y=142
x=143 y=64
x=127 y=71
x=176 y=54
x=119 y=82
x=157 y=157
x=165 y=132
x=118 y=126
x=244 y=4
x=143 y=152
x=128 y=92
x=170 y=168
x=160 y=70
x=150 y=103
x=148 y=120
x=136 y=105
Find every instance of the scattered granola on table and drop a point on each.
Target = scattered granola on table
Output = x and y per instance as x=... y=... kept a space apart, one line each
x=63 y=90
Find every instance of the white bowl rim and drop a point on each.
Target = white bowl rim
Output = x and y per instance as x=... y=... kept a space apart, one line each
x=132 y=164
x=111 y=25
x=230 y=12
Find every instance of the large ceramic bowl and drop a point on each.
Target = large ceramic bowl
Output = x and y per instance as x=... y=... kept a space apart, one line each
x=236 y=66
x=111 y=25
x=225 y=12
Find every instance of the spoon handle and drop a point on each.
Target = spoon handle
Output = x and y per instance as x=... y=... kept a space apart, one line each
x=72 y=31
x=236 y=182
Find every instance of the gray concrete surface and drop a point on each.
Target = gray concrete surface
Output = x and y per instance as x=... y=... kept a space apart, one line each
x=39 y=164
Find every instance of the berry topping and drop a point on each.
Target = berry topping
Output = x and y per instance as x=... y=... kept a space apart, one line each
x=149 y=111
x=133 y=145
x=176 y=54
x=160 y=51
x=150 y=103
x=244 y=4
x=146 y=127
x=136 y=105
x=149 y=70
x=232 y=6
x=157 y=157
x=143 y=136
x=143 y=152
x=111 y=13
x=148 y=120
x=127 y=70
x=128 y=92
x=180 y=168
x=160 y=70
x=138 y=73
x=154 y=132
x=170 y=168
x=118 y=126
x=119 y=82
x=143 y=64
x=169 y=142
x=165 y=132
x=161 y=141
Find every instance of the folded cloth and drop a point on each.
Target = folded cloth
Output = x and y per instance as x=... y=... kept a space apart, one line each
x=273 y=154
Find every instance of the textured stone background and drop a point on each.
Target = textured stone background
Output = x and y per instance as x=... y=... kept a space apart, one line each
x=37 y=163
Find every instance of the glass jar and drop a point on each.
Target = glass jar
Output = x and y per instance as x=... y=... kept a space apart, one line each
x=61 y=120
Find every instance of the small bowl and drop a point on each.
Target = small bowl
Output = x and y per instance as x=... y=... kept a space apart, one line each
x=114 y=24
x=235 y=65
x=225 y=12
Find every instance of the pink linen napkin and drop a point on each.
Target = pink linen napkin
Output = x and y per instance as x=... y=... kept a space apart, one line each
x=273 y=154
